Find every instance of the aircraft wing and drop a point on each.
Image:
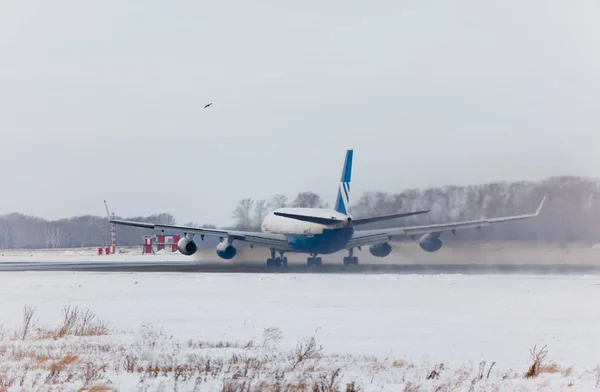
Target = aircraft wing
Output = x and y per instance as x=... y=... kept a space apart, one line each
x=369 y=237
x=253 y=237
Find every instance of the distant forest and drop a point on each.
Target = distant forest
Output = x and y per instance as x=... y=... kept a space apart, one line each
x=571 y=214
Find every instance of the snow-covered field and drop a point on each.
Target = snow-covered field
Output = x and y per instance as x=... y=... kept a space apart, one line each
x=384 y=332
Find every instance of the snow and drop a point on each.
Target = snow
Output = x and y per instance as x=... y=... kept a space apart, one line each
x=422 y=320
x=124 y=254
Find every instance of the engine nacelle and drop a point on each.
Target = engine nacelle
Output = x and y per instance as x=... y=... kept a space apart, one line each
x=380 y=250
x=430 y=242
x=226 y=251
x=187 y=247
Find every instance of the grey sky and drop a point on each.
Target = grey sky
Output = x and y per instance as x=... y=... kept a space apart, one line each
x=104 y=99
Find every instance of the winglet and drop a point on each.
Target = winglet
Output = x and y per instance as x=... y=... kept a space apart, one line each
x=540 y=206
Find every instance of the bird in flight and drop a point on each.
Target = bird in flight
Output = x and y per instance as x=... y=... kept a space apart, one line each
x=205 y=106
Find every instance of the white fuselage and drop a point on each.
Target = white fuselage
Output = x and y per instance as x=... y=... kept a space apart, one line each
x=282 y=225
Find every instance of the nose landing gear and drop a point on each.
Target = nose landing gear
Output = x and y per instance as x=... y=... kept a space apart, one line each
x=351 y=259
x=314 y=260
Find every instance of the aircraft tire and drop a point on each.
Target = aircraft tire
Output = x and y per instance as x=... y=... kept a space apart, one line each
x=270 y=263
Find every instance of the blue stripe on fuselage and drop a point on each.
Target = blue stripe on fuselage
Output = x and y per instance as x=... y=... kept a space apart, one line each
x=330 y=241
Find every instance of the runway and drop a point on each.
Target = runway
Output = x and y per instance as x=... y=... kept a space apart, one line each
x=249 y=268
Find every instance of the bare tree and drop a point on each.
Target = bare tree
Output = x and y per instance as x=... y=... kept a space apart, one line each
x=165 y=219
x=278 y=201
x=7 y=237
x=47 y=236
x=260 y=211
x=243 y=214
x=308 y=200
x=192 y=224
x=198 y=225
x=52 y=235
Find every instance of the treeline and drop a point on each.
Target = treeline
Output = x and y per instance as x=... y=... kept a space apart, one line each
x=569 y=215
x=18 y=231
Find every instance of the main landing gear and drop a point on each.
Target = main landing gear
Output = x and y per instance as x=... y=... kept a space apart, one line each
x=314 y=260
x=276 y=261
x=351 y=260
x=282 y=261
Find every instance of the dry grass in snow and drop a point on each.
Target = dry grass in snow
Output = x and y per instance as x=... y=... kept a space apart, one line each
x=83 y=354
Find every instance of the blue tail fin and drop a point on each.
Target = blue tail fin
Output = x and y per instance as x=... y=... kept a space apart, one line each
x=343 y=196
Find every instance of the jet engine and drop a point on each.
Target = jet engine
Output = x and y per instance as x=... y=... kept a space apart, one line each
x=380 y=250
x=226 y=251
x=430 y=242
x=187 y=247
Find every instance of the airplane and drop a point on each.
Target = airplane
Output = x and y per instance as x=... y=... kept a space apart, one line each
x=321 y=231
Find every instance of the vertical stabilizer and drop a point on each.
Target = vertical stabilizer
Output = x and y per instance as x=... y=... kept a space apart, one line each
x=343 y=196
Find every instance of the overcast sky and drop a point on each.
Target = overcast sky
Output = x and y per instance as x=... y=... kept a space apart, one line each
x=104 y=99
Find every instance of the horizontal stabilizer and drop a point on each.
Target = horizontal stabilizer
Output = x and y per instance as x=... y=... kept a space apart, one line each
x=312 y=219
x=364 y=221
